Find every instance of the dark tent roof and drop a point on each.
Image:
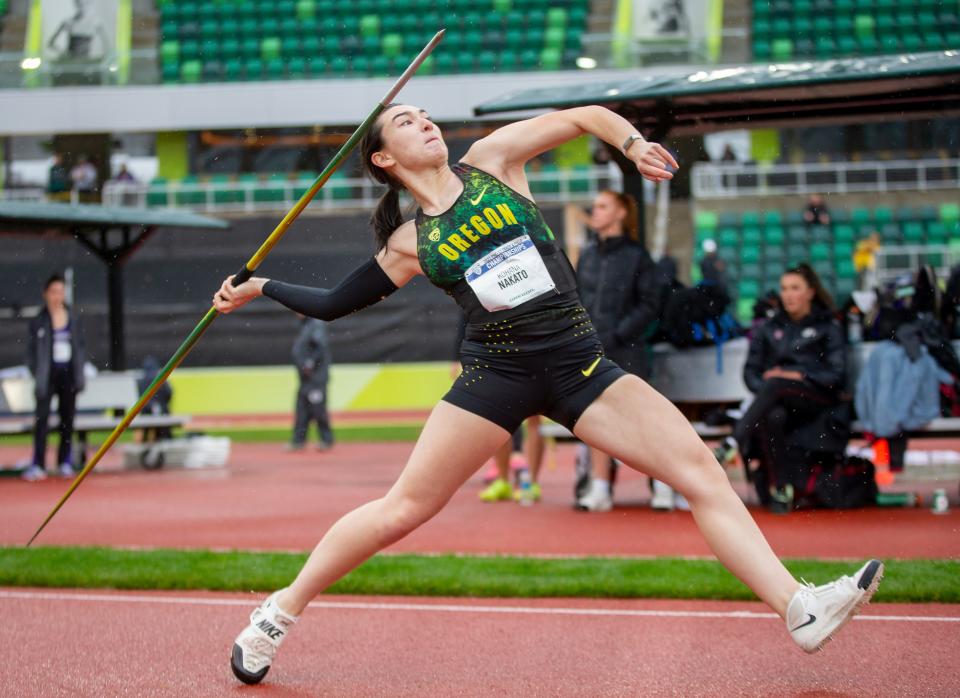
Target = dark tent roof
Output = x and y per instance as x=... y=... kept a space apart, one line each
x=764 y=94
x=89 y=215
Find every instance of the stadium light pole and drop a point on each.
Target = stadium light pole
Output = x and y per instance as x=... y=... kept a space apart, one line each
x=245 y=273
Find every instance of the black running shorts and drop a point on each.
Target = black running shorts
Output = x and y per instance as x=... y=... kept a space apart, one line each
x=560 y=384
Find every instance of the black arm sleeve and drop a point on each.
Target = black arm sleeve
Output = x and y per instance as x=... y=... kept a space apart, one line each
x=366 y=285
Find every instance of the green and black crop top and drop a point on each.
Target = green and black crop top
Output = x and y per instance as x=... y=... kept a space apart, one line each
x=495 y=254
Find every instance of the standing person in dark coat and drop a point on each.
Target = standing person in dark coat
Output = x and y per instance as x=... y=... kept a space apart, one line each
x=56 y=353
x=311 y=355
x=795 y=367
x=620 y=288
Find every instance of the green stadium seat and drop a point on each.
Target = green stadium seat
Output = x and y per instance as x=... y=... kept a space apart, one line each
x=157 y=198
x=824 y=269
x=927 y=213
x=890 y=233
x=781 y=50
x=170 y=52
x=773 y=236
x=845 y=268
x=748 y=288
x=369 y=25
x=728 y=219
x=761 y=49
x=213 y=71
x=189 y=50
x=191 y=71
x=487 y=62
x=745 y=309
x=864 y=26
x=731 y=256
x=269 y=27
x=843 y=232
x=868 y=44
x=361 y=65
x=882 y=214
x=749 y=255
x=392 y=45
x=729 y=237
x=209 y=29
x=529 y=58
x=270 y=49
x=913 y=233
x=936 y=233
x=797 y=233
x=290 y=47
x=550 y=59
x=776 y=257
x=843 y=250
x=751 y=237
x=889 y=43
x=705 y=219
x=819 y=233
x=275 y=189
x=275 y=69
x=232 y=70
x=860 y=216
x=317 y=66
x=310 y=46
x=772 y=217
x=819 y=252
x=250 y=48
x=253 y=69
x=190 y=197
x=223 y=191
x=750 y=219
x=170 y=72
x=847 y=45
x=949 y=212
x=306 y=9
x=297 y=68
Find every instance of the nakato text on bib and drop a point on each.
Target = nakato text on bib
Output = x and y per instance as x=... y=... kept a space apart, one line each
x=509 y=275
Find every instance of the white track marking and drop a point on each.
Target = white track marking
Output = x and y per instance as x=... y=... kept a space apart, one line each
x=439 y=608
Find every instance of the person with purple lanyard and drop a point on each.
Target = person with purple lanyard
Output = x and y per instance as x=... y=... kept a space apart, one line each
x=56 y=354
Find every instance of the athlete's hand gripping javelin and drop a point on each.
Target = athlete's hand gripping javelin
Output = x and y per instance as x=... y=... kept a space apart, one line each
x=229 y=298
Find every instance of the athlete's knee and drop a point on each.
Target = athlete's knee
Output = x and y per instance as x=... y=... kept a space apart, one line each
x=706 y=477
x=402 y=515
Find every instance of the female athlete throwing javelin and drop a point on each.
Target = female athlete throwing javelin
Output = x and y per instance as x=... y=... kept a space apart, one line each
x=529 y=349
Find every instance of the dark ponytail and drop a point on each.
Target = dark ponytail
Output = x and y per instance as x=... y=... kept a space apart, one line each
x=821 y=296
x=386 y=216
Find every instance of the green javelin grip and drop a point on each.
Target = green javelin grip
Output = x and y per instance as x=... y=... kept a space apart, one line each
x=245 y=273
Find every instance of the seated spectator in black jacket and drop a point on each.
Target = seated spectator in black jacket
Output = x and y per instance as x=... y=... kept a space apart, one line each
x=620 y=288
x=795 y=368
x=816 y=212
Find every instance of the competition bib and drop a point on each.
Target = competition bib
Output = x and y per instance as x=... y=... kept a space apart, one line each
x=510 y=275
x=62 y=352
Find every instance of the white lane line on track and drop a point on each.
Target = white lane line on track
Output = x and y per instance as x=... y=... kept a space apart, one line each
x=441 y=608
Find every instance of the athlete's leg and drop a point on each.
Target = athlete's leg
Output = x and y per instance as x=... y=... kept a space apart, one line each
x=534 y=447
x=453 y=445
x=634 y=423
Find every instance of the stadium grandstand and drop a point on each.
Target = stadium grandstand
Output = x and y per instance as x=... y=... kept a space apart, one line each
x=229 y=108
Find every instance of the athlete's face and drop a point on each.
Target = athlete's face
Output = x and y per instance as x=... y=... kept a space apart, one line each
x=607 y=215
x=410 y=140
x=796 y=295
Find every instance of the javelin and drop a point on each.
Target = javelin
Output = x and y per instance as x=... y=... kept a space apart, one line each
x=245 y=273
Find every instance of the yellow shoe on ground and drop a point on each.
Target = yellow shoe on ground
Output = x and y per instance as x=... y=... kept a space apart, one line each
x=498 y=491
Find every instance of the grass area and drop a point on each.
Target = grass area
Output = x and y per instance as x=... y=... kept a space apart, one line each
x=445 y=575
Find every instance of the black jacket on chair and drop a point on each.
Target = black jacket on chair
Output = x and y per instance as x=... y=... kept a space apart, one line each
x=620 y=288
x=39 y=356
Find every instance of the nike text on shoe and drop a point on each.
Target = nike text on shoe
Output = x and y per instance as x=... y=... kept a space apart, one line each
x=255 y=647
x=816 y=613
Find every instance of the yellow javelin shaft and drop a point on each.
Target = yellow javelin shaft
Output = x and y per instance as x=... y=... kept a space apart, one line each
x=245 y=273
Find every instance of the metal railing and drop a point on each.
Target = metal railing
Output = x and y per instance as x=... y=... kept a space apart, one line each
x=567 y=186
x=25 y=194
x=895 y=260
x=18 y=71
x=728 y=181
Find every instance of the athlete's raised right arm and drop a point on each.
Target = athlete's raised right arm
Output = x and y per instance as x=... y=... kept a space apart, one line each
x=369 y=283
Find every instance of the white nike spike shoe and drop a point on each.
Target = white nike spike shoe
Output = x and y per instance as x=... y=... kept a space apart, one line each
x=255 y=647
x=816 y=613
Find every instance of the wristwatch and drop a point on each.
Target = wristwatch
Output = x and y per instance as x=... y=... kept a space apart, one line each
x=630 y=141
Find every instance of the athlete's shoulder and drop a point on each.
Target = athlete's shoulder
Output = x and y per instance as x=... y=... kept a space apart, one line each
x=404 y=237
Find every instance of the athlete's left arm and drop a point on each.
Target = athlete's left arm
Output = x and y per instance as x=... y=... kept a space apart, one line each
x=505 y=151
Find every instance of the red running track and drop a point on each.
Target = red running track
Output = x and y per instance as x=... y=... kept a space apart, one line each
x=268 y=499
x=162 y=644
